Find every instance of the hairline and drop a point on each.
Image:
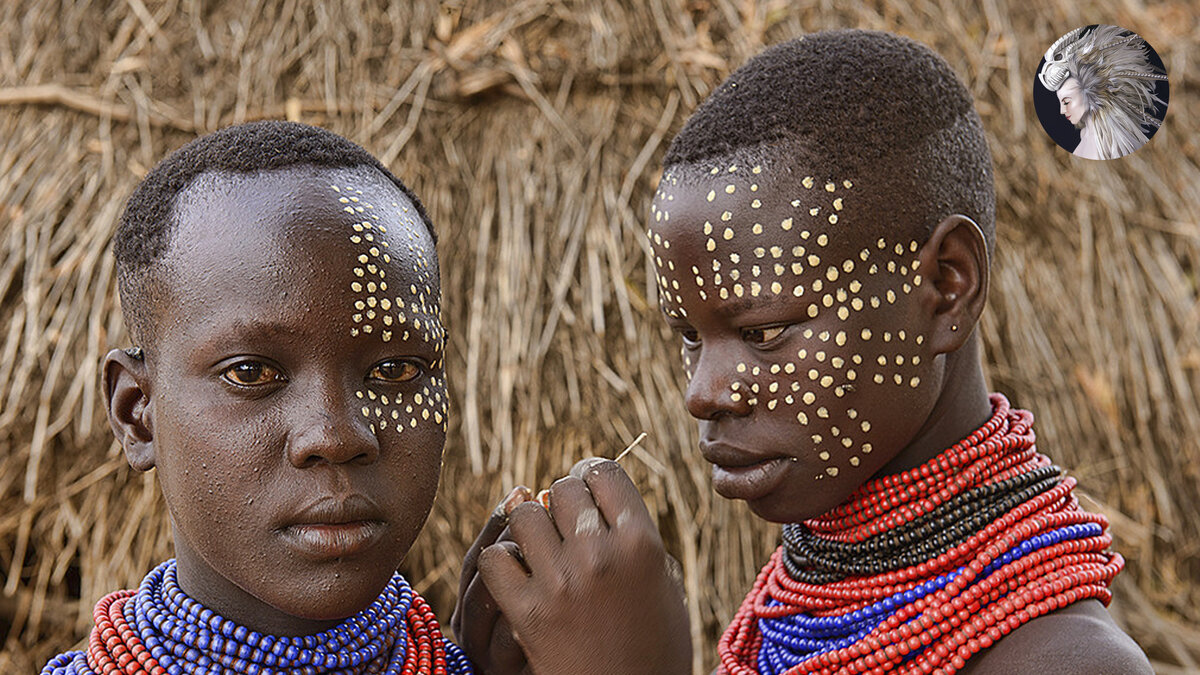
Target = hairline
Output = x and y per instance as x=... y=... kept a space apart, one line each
x=780 y=154
x=140 y=324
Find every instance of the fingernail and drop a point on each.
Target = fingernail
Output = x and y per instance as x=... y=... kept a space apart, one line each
x=592 y=462
x=519 y=494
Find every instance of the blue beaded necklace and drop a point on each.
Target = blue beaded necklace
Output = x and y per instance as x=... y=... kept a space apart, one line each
x=178 y=635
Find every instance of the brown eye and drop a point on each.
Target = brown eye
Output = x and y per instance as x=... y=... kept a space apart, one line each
x=251 y=374
x=762 y=335
x=690 y=336
x=395 y=371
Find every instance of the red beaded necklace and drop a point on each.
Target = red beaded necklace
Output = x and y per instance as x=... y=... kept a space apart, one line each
x=1040 y=556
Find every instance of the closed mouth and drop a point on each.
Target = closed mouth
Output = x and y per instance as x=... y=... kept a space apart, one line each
x=738 y=474
x=334 y=527
x=730 y=457
x=333 y=540
x=331 y=510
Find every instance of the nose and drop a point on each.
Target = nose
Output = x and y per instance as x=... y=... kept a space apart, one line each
x=330 y=429
x=717 y=389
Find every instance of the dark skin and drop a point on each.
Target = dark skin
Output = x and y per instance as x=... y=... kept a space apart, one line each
x=769 y=360
x=794 y=342
x=262 y=399
x=494 y=648
x=574 y=580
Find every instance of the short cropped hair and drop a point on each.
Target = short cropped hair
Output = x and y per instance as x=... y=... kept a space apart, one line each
x=854 y=103
x=144 y=233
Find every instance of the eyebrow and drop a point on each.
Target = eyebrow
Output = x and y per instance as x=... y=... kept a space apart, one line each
x=734 y=305
x=728 y=307
x=241 y=329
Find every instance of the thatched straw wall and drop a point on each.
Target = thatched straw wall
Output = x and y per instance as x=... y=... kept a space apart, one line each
x=533 y=132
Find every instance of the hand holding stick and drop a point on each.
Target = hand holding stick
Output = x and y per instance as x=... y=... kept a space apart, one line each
x=579 y=585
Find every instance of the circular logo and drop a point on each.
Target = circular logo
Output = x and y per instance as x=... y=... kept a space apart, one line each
x=1101 y=92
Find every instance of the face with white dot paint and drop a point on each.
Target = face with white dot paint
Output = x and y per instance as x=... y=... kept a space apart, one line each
x=298 y=391
x=802 y=337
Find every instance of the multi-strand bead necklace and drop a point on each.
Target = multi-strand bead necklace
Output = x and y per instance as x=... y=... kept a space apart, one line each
x=159 y=630
x=919 y=571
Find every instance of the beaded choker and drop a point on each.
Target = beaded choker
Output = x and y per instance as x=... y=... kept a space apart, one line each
x=158 y=629
x=919 y=571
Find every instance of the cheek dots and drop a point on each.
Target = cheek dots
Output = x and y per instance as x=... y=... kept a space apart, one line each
x=846 y=341
x=401 y=310
x=399 y=413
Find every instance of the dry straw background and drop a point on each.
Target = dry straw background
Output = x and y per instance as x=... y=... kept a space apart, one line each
x=533 y=131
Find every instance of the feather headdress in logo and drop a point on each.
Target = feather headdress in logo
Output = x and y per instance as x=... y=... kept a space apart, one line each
x=1117 y=80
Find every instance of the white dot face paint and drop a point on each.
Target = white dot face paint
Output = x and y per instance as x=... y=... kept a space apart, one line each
x=814 y=337
x=401 y=310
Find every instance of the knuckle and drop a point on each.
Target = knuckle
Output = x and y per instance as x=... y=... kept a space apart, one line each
x=523 y=510
x=524 y=514
x=645 y=546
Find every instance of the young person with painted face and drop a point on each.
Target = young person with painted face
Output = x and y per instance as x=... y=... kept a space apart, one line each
x=822 y=237
x=282 y=289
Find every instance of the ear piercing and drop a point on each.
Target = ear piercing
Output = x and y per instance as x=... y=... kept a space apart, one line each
x=134 y=353
x=954 y=327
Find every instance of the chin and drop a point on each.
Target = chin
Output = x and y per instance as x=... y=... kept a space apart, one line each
x=338 y=592
x=783 y=510
x=334 y=603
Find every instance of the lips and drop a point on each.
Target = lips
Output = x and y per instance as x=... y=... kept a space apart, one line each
x=334 y=527
x=739 y=474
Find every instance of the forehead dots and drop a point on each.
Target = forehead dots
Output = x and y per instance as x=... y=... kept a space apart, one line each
x=785 y=256
x=908 y=122
x=394 y=310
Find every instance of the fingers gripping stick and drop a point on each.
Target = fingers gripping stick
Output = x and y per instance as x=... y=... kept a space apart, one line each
x=543 y=497
x=591 y=544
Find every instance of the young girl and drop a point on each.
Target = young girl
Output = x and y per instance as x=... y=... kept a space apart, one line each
x=288 y=388
x=822 y=236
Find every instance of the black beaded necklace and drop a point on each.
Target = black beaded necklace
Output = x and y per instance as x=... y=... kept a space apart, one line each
x=810 y=558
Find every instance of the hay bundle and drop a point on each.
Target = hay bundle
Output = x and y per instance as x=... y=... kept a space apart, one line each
x=533 y=132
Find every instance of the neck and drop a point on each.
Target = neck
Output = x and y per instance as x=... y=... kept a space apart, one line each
x=961 y=408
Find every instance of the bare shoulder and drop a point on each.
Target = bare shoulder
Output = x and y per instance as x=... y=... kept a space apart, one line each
x=1081 y=638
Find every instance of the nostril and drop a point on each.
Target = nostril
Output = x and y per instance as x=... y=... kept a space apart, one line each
x=327 y=441
x=709 y=400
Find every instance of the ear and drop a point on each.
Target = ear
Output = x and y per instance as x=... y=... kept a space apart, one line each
x=130 y=411
x=954 y=263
